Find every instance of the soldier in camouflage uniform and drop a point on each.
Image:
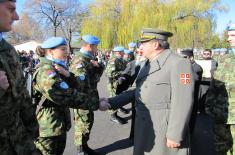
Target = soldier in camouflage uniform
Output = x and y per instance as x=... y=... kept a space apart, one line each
x=58 y=89
x=113 y=70
x=128 y=56
x=122 y=85
x=86 y=68
x=18 y=124
x=220 y=102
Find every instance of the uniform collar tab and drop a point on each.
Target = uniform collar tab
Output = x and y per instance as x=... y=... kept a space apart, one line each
x=162 y=57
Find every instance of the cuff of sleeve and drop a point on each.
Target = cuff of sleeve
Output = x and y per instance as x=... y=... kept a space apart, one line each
x=113 y=107
x=173 y=138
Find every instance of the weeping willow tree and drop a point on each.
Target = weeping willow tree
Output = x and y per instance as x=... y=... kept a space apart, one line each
x=120 y=21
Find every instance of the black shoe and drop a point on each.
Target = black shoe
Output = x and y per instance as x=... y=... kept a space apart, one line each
x=117 y=119
x=89 y=151
x=125 y=111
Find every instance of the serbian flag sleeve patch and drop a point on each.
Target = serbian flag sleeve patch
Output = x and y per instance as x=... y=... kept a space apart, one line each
x=185 y=78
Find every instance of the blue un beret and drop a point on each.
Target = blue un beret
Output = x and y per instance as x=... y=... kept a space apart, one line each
x=54 y=42
x=129 y=52
x=118 y=49
x=132 y=45
x=231 y=27
x=93 y=40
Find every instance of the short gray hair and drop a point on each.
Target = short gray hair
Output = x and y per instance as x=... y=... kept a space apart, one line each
x=163 y=43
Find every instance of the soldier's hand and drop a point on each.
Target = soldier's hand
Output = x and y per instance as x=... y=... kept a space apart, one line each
x=121 y=79
x=104 y=104
x=95 y=63
x=172 y=144
x=61 y=70
x=4 y=84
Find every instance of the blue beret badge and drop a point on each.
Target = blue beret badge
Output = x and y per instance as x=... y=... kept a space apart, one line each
x=64 y=85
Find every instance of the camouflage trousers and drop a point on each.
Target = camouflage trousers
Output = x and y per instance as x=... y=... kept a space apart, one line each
x=16 y=142
x=222 y=138
x=112 y=93
x=51 y=145
x=83 y=122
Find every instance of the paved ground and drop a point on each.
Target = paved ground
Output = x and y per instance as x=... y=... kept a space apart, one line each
x=110 y=138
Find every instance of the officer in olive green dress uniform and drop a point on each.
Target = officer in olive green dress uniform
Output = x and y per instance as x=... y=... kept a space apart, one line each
x=162 y=114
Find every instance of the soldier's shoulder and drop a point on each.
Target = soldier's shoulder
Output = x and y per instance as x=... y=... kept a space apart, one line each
x=175 y=59
x=5 y=44
x=77 y=63
x=46 y=70
x=112 y=61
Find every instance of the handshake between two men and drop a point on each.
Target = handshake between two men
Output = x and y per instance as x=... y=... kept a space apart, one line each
x=104 y=104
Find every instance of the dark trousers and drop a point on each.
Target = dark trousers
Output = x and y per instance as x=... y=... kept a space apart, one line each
x=133 y=111
x=204 y=86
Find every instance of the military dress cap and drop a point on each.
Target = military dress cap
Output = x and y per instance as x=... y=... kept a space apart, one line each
x=128 y=52
x=231 y=27
x=7 y=1
x=148 y=34
x=118 y=49
x=54 y=42
x=93 y=40
x=132 y=45
x=187 y=52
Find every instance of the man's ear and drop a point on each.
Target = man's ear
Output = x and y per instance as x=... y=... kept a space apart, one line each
x=156 y=45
